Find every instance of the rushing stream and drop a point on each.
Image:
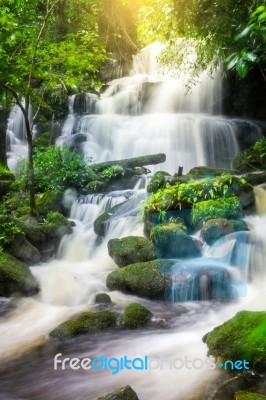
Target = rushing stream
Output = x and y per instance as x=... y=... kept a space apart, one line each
x=138 y=115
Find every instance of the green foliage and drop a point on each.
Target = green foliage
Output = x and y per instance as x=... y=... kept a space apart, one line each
x=8 y=230
x=182 y=196
x=112 y=172
x=159 y=232
x=251 y=42
x=253 y=158
x=228 y=207
x=249 y=396
x=241 y=338
x=55 y=169
x=54 y=218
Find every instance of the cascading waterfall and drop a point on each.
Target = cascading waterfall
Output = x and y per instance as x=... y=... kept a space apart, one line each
x=128 y=121
x=152 y=112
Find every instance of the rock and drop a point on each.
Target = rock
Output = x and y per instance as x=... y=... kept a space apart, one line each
x=147 y=279
x=124 y=393
x=130 y=250
x=256 y=178
x=241 y=338
x=33 y=230
x=249 y=396
x=239 y=225
x=213 y=229
x=157 y=181
x=24 y=250
x=50 y=201
x=136 y=316
x=205 y=172
x=6 y=174
x=172 y=241
x=103 y=298
x=95 y=187
x=55 y=227
x=15 y=277
x=87 y=322
x=101 y=222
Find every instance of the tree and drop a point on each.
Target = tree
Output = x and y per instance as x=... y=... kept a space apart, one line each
x=43 y=48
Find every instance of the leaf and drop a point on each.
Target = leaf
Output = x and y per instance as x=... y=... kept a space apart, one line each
x=243 y=33
x=248 y=56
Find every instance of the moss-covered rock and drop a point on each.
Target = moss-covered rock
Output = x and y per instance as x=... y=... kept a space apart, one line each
x=50 y=201
x=172 y=241
x=204 y=172
x=6 y=174
x=241 y=338
x=130 y=250
x=136 y=316
x=95 y=187
x=157 y=181
x=23 y=250
x=148 y=279
x=33 y=230
x=56 y=226
x=87 y=322
x=101 y=222
x=103 y=298
x=214 y=229
x=15 y=277
x=249 y=396
x=124 y=393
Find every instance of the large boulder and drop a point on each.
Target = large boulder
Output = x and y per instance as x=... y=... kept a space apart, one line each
x=33 y=231
x=86 y=322
x=136 y=316
x=241 y=338
x=15 y=277
x=124 y=393
x=24 y=250
x=172 y=241
x=147 y=279
x=130 y=250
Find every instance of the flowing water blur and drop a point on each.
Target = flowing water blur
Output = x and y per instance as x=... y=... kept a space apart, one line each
x=138 y=115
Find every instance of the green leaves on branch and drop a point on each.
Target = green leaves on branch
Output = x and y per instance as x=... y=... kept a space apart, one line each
x=252 y=43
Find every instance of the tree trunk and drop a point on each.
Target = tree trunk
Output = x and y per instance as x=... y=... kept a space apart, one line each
x=3 y=127
x=141 y=161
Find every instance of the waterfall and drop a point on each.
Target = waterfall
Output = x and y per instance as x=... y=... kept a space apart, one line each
x=143 y=113
x=150 y=112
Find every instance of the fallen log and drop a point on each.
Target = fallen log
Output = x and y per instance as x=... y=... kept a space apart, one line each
x=141 y=161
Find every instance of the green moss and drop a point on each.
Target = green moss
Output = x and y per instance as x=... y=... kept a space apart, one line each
x=6 y=174
x=249 y=396
x=157 y=181
x=204 y=172
x=213 y=229
x=241 y=338
x=228 y=207
x=148 y=279
x=181 y=196
x=56 y=225
x=131 y=249
x=15 y=277
x=136 y=316
x=87 y=322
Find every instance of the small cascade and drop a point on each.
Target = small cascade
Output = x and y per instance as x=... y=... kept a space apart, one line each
x=16 y=138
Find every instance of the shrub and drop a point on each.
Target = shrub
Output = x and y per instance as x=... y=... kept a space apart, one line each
x=8 y=230
x=55 y=169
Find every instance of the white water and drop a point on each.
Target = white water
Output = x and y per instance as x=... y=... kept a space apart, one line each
x=69 y=284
